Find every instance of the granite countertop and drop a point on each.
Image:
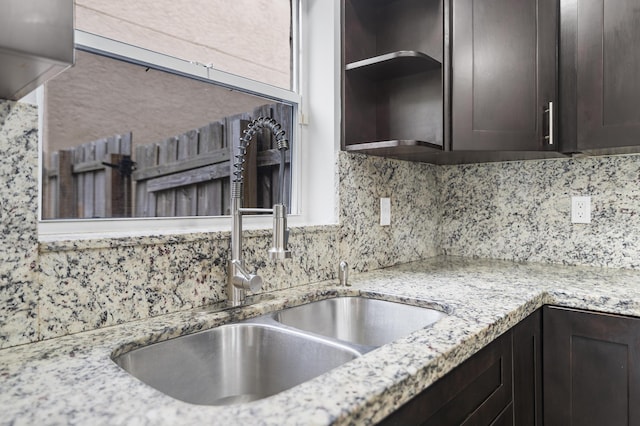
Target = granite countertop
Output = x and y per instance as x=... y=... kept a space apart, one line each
x=72 y=380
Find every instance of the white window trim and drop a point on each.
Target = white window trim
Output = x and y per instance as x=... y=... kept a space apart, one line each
x=314 y=144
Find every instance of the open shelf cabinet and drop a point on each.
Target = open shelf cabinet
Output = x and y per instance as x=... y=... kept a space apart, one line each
x=393 y=77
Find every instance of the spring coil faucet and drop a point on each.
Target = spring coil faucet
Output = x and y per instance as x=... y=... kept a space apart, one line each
x=248 y=134
x=239 y=279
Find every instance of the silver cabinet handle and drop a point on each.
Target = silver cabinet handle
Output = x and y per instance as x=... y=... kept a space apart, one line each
x=549 y=137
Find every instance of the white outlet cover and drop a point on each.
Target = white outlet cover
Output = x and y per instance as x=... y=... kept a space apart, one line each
x=385 y=211
x=580 y=209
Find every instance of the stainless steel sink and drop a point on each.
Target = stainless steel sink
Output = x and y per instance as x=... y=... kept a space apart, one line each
x=360 y=320
x=263 y=356
x=233 y=363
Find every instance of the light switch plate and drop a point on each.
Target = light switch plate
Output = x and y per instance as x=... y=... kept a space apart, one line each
x=580 y=209
x=385 y=211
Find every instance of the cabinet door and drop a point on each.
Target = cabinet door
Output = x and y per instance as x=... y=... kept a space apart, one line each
x=503 y=68
x=478 y=392
x=600 y=64
x=591 y=368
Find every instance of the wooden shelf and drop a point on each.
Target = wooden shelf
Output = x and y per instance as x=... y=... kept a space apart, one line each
x=394 y=65
x=412 y=150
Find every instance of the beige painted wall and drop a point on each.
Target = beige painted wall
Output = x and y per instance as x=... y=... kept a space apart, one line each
x=100 y=97
x=245 y=37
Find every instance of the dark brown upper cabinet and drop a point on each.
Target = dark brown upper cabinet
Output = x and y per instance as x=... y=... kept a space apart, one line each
x=450 y=81
x=503 y=75
x=392 y=77
x=600 y=75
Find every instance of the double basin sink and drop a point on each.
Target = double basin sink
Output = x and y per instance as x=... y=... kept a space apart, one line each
x=260 y=357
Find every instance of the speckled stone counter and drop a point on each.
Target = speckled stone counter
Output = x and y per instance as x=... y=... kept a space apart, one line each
x=72 y=380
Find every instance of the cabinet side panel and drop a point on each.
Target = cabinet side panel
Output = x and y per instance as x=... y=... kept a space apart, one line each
x=527 y=372
x=411 y=25
x=359 y=33
x=415 y=107
x=361 y=104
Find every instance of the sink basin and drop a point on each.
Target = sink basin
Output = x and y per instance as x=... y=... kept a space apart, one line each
x=360 y=320
x=233 y=363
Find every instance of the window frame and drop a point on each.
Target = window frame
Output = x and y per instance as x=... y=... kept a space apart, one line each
x=314 y=179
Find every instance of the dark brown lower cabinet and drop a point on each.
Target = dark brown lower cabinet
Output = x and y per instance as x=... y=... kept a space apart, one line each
x=591 y=376
x=527 y=371
x=591 y=368
x=500 y=385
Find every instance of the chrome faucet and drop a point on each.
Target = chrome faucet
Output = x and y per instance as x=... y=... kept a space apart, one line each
x=239 y=280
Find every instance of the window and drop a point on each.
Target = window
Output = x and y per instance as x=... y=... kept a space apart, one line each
x=130 y=132
x=315 y=141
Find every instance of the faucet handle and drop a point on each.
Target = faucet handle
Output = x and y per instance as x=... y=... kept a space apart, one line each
x=245 y=280
x=252 y=282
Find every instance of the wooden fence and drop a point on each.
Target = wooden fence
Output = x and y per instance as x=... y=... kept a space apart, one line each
x=81 y=184
x=185 y=175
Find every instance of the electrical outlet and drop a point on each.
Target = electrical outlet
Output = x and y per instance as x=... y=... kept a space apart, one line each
x=385 y=211
x=580 y=209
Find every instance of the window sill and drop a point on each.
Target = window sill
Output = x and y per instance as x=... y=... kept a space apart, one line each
x=166 y=231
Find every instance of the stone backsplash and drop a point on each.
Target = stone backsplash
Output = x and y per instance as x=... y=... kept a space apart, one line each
x=522 y=211
x=58 y=288
x=18 y=215
x=513 y=210
x=412 y=188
